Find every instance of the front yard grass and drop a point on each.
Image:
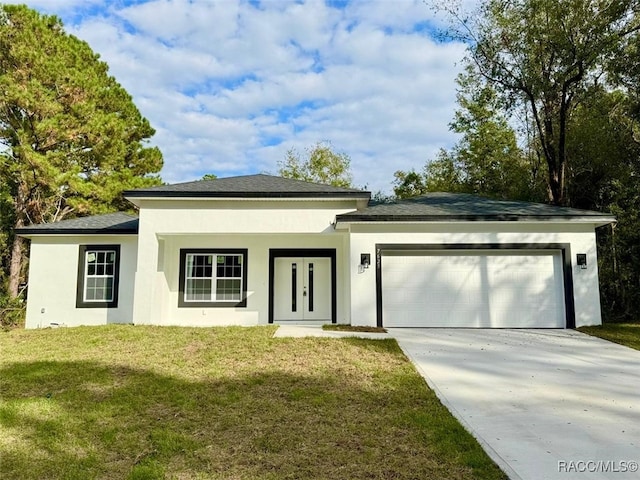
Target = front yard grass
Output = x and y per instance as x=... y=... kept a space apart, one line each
x=124 y=402
x=627 y=334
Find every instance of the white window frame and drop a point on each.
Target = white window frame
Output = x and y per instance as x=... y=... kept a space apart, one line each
x=84 y=277
x=87 y=276
x=188 y=257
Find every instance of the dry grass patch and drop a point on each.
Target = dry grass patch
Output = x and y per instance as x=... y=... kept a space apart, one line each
x=350 y=328
x=124 y=402
x=627 y=334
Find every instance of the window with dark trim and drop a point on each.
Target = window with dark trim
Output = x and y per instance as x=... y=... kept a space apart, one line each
x=98 y=276
x=213 y=278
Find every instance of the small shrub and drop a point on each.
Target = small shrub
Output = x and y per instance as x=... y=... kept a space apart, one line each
x=12 y=312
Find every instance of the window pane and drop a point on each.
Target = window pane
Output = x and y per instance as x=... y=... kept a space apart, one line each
x=200 y=266
x=100 y=275
x=213 y=277
x=207 y=270
x=229 y=266
x=198 y=289
x=108 y=291
x=190 y=265
x=221 y=262
x=227 y=290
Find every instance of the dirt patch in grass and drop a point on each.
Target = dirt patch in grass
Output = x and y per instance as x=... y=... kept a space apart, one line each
x=349 y=328
x=627 y=334
x=124 y=402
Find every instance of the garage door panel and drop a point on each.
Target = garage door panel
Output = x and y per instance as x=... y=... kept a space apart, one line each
x=474 y=289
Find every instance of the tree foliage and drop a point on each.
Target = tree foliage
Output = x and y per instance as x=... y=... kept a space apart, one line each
x=487 y=155
x=72 y=138
x=408 y=184
x=604 y=176
x=486 y=160
x=320 y=164
x=567 y=75
x=549 y=55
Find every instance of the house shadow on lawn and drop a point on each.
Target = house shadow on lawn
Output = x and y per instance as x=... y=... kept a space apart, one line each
x=84 y=419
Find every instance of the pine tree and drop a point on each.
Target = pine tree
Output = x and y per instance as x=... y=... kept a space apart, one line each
x=72 y=138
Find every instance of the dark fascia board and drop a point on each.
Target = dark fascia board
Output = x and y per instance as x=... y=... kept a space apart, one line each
x=74 y=231
x=347 y=218
x=176 y=194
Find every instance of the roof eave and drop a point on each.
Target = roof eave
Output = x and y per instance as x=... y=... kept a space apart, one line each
x=234 y=195
x=598 y=221
x=41 y=232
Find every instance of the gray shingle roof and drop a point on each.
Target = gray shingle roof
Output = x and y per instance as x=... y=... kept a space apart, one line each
x=247 y=186
x=118 y=223
x=435 y=207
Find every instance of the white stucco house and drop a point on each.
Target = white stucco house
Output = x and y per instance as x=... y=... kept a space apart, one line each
x=261 y=249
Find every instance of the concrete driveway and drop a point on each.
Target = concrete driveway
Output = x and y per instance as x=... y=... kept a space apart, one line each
x=545 y=404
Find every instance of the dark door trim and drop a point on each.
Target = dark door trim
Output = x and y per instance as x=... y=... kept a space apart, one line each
x=565 y=249
x=302 y=252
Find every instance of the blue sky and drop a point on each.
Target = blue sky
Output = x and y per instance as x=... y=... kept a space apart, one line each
x=231 y=85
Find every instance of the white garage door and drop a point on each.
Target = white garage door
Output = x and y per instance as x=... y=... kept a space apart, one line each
x=477 y=289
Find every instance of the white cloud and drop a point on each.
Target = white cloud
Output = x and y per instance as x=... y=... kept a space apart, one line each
x=230 y=86
x=56 y=6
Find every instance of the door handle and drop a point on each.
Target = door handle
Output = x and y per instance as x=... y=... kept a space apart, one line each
x=304 y=292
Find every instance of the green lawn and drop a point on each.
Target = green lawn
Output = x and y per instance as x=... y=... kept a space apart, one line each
x=623 y=333
x=124 y=402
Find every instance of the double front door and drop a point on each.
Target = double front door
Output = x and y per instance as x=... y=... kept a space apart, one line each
x=302 y=289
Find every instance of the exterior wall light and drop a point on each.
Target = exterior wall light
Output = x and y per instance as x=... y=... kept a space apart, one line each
x=581 y=260
x=365 y=260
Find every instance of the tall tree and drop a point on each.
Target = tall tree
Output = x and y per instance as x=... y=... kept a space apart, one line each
x=485 y=161
x=624 y=70
x=570 y=71
x=548 y=54
x=487 y=156
x=605 y=166
x=320 y=164
x=408 y=184
x=444 y=174
x=72 y=137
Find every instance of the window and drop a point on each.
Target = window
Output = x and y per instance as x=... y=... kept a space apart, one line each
x=98 y=272
x=213 y=278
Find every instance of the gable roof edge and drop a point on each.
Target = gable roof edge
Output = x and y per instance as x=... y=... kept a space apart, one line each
x=149 y=195
x=117 y=223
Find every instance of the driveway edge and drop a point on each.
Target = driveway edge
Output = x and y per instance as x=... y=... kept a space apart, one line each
x=501 y=462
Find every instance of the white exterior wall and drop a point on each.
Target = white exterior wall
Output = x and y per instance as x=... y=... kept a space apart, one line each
x=581 y=237
x=53 y=281
x=149 y=264
x=168 y=226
